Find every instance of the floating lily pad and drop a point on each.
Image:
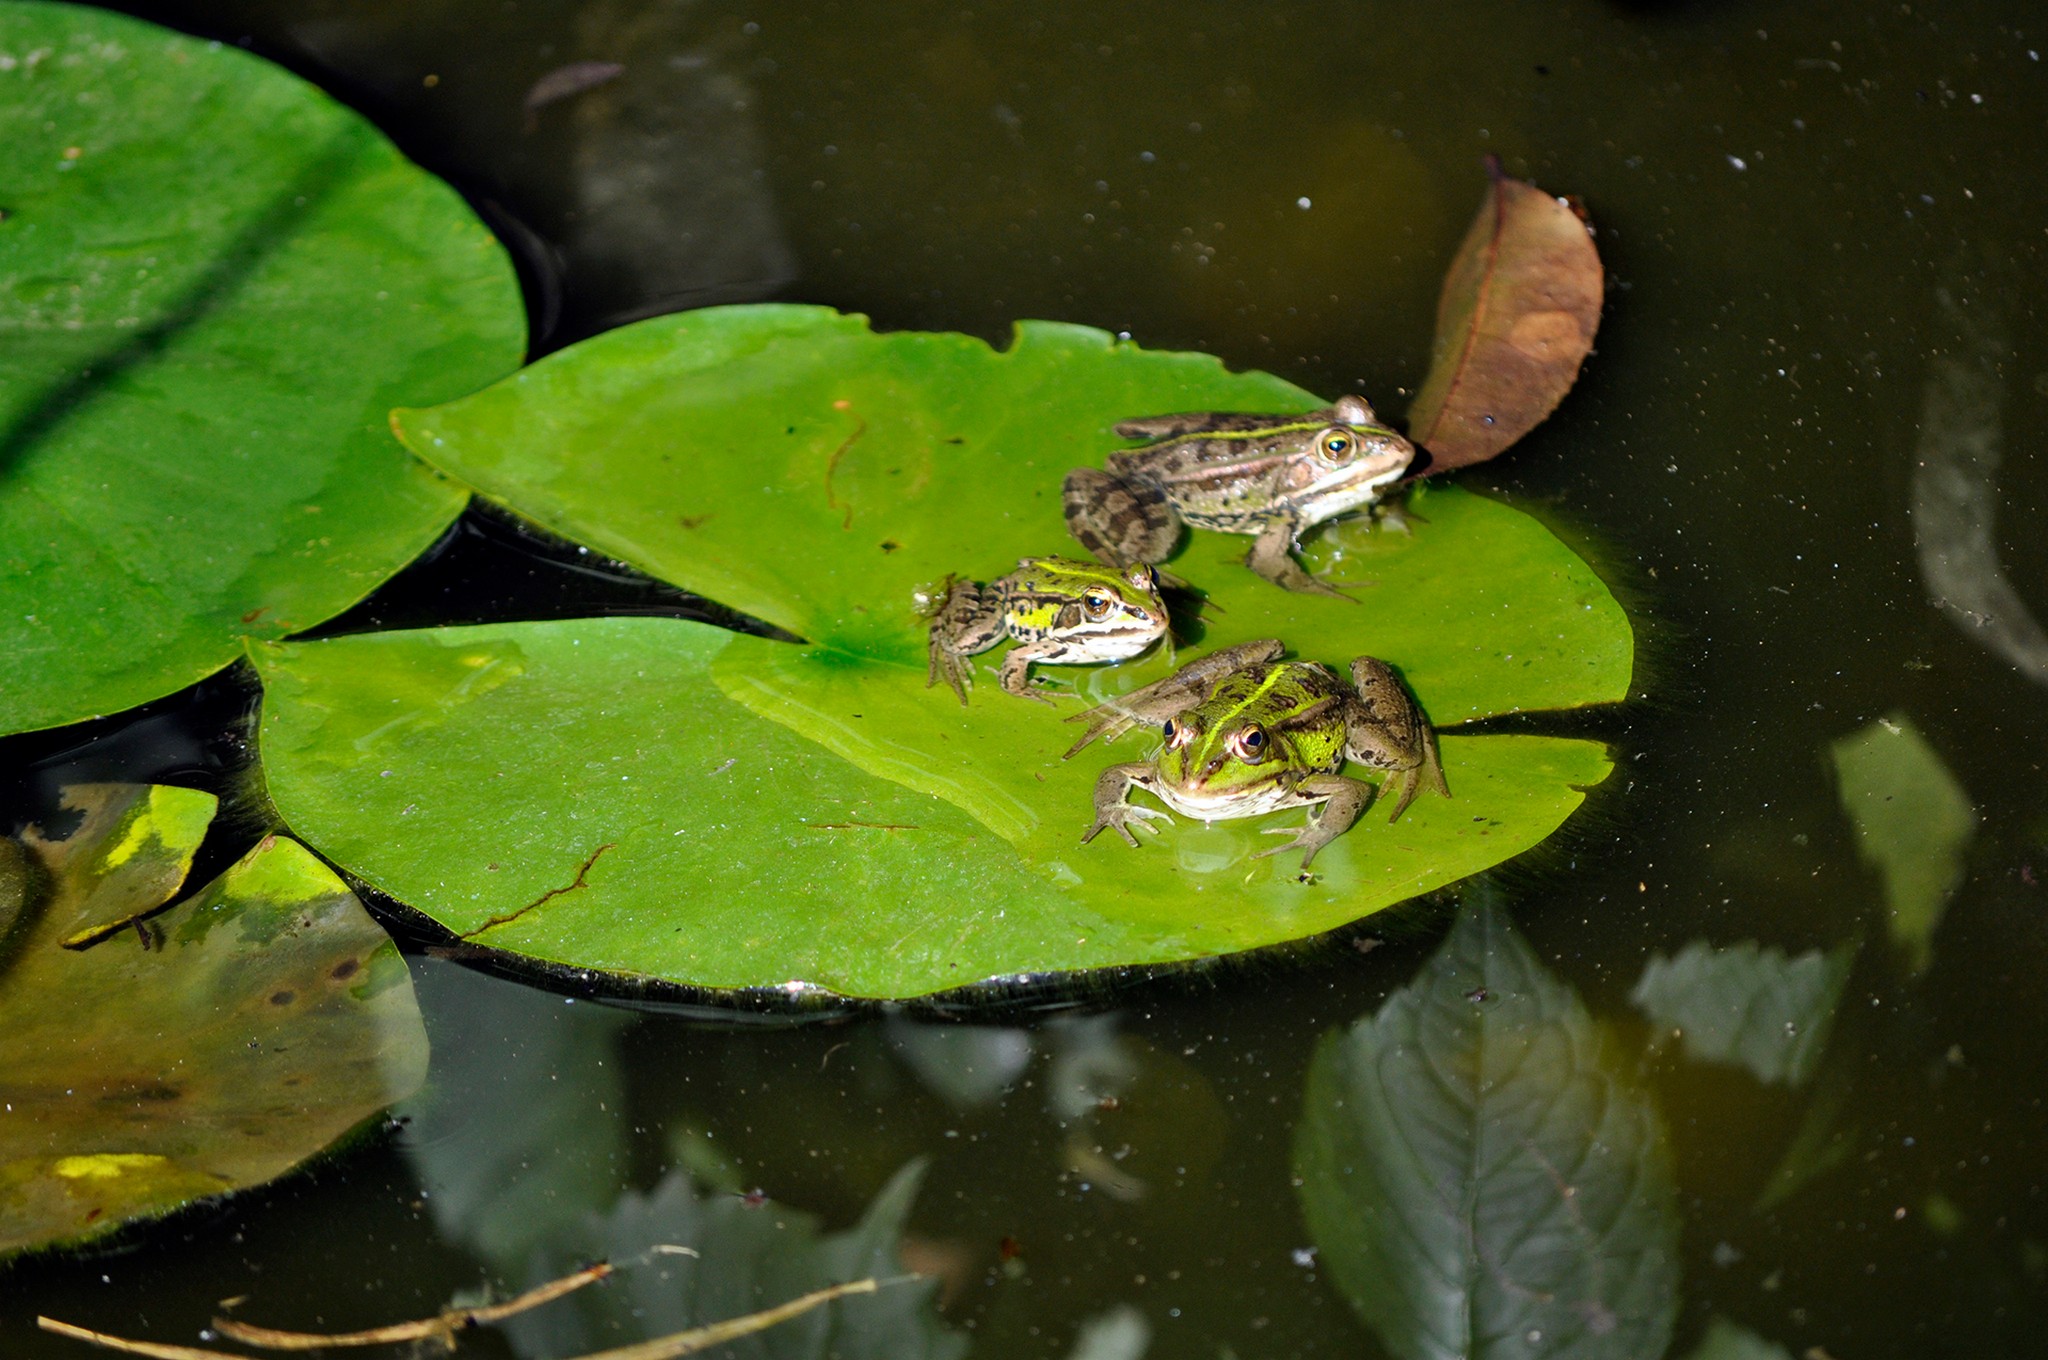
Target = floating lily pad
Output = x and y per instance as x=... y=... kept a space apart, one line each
x=791 y=463
x=1480 y=1177
x=227 y=1040
x=140 y=861
x=215 y=282
x=582 y=793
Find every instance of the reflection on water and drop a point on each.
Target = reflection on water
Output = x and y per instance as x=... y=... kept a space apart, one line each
x=1478 y=1173
x=1955 y=485
x=1281 y=183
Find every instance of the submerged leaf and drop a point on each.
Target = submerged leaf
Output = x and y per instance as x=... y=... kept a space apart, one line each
x=1480 y=1180
x=1913 y=823
x=581 y=793
x=130 y=1069
x=147 y=834
x=739 y=1256
x=1726 y=1341
x=1519 y=308
x=1748 y=1005
x=215 y=282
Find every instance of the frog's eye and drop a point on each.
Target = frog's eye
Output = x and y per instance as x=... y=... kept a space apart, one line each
x=1336 y=446
x=1177 y=733
x=1096 y=605
x=1251 y=743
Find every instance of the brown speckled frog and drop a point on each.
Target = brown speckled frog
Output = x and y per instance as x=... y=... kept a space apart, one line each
x=1270 y=476
x=1058 y=610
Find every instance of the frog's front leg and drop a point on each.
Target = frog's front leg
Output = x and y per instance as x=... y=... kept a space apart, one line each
x=1016 y=674
x=1272 y=556
x=1173 y=696
x=1113 y=807
x=969 y=620
x=1120 y=522
x=1342 y=800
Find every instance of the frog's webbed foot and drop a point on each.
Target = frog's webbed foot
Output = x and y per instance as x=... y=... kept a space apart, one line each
x=1394 y=516
x=1343 y=799
x=955 y=667
x=1112 y=789
x=1120 y=522
x=1272 y=556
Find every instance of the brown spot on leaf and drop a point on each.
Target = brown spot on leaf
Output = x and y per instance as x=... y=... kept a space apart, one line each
x=283 y=998
x=345 y=970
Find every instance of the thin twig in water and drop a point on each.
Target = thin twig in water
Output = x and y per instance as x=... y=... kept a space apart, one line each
x=445 y=1326
x=122 y=1343
x=699 y=1338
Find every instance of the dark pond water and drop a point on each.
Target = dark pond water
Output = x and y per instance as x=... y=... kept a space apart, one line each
x=1806 y=454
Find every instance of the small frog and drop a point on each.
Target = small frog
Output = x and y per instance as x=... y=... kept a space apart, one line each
x=1272 y=476
x=1059 y=610
x=1246 y=733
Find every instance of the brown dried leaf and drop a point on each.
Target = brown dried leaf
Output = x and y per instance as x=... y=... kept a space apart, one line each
x=1519 y=308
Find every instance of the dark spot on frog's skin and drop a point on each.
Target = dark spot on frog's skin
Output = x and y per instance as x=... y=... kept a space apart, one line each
x=956 y=439
x=1542 y=70
x=790 y=430
x=890 y=545
x=281 y=998
x=345 y=970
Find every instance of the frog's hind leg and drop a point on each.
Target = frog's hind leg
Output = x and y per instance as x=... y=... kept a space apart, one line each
x=1389 y=732
x=1173 y=696
x=969 y=620
x=1120 y=522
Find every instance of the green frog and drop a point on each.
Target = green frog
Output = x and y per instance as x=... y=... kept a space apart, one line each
x=1059 y=610
x=1270 y=476
x=1245 y=732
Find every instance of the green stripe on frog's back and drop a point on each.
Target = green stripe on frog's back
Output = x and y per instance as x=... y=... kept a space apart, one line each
x=1314 y=682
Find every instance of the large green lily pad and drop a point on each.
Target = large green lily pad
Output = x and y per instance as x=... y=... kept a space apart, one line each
x=216 y=1046
x=791 y=463
x=215 y=282
x=582 y=793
